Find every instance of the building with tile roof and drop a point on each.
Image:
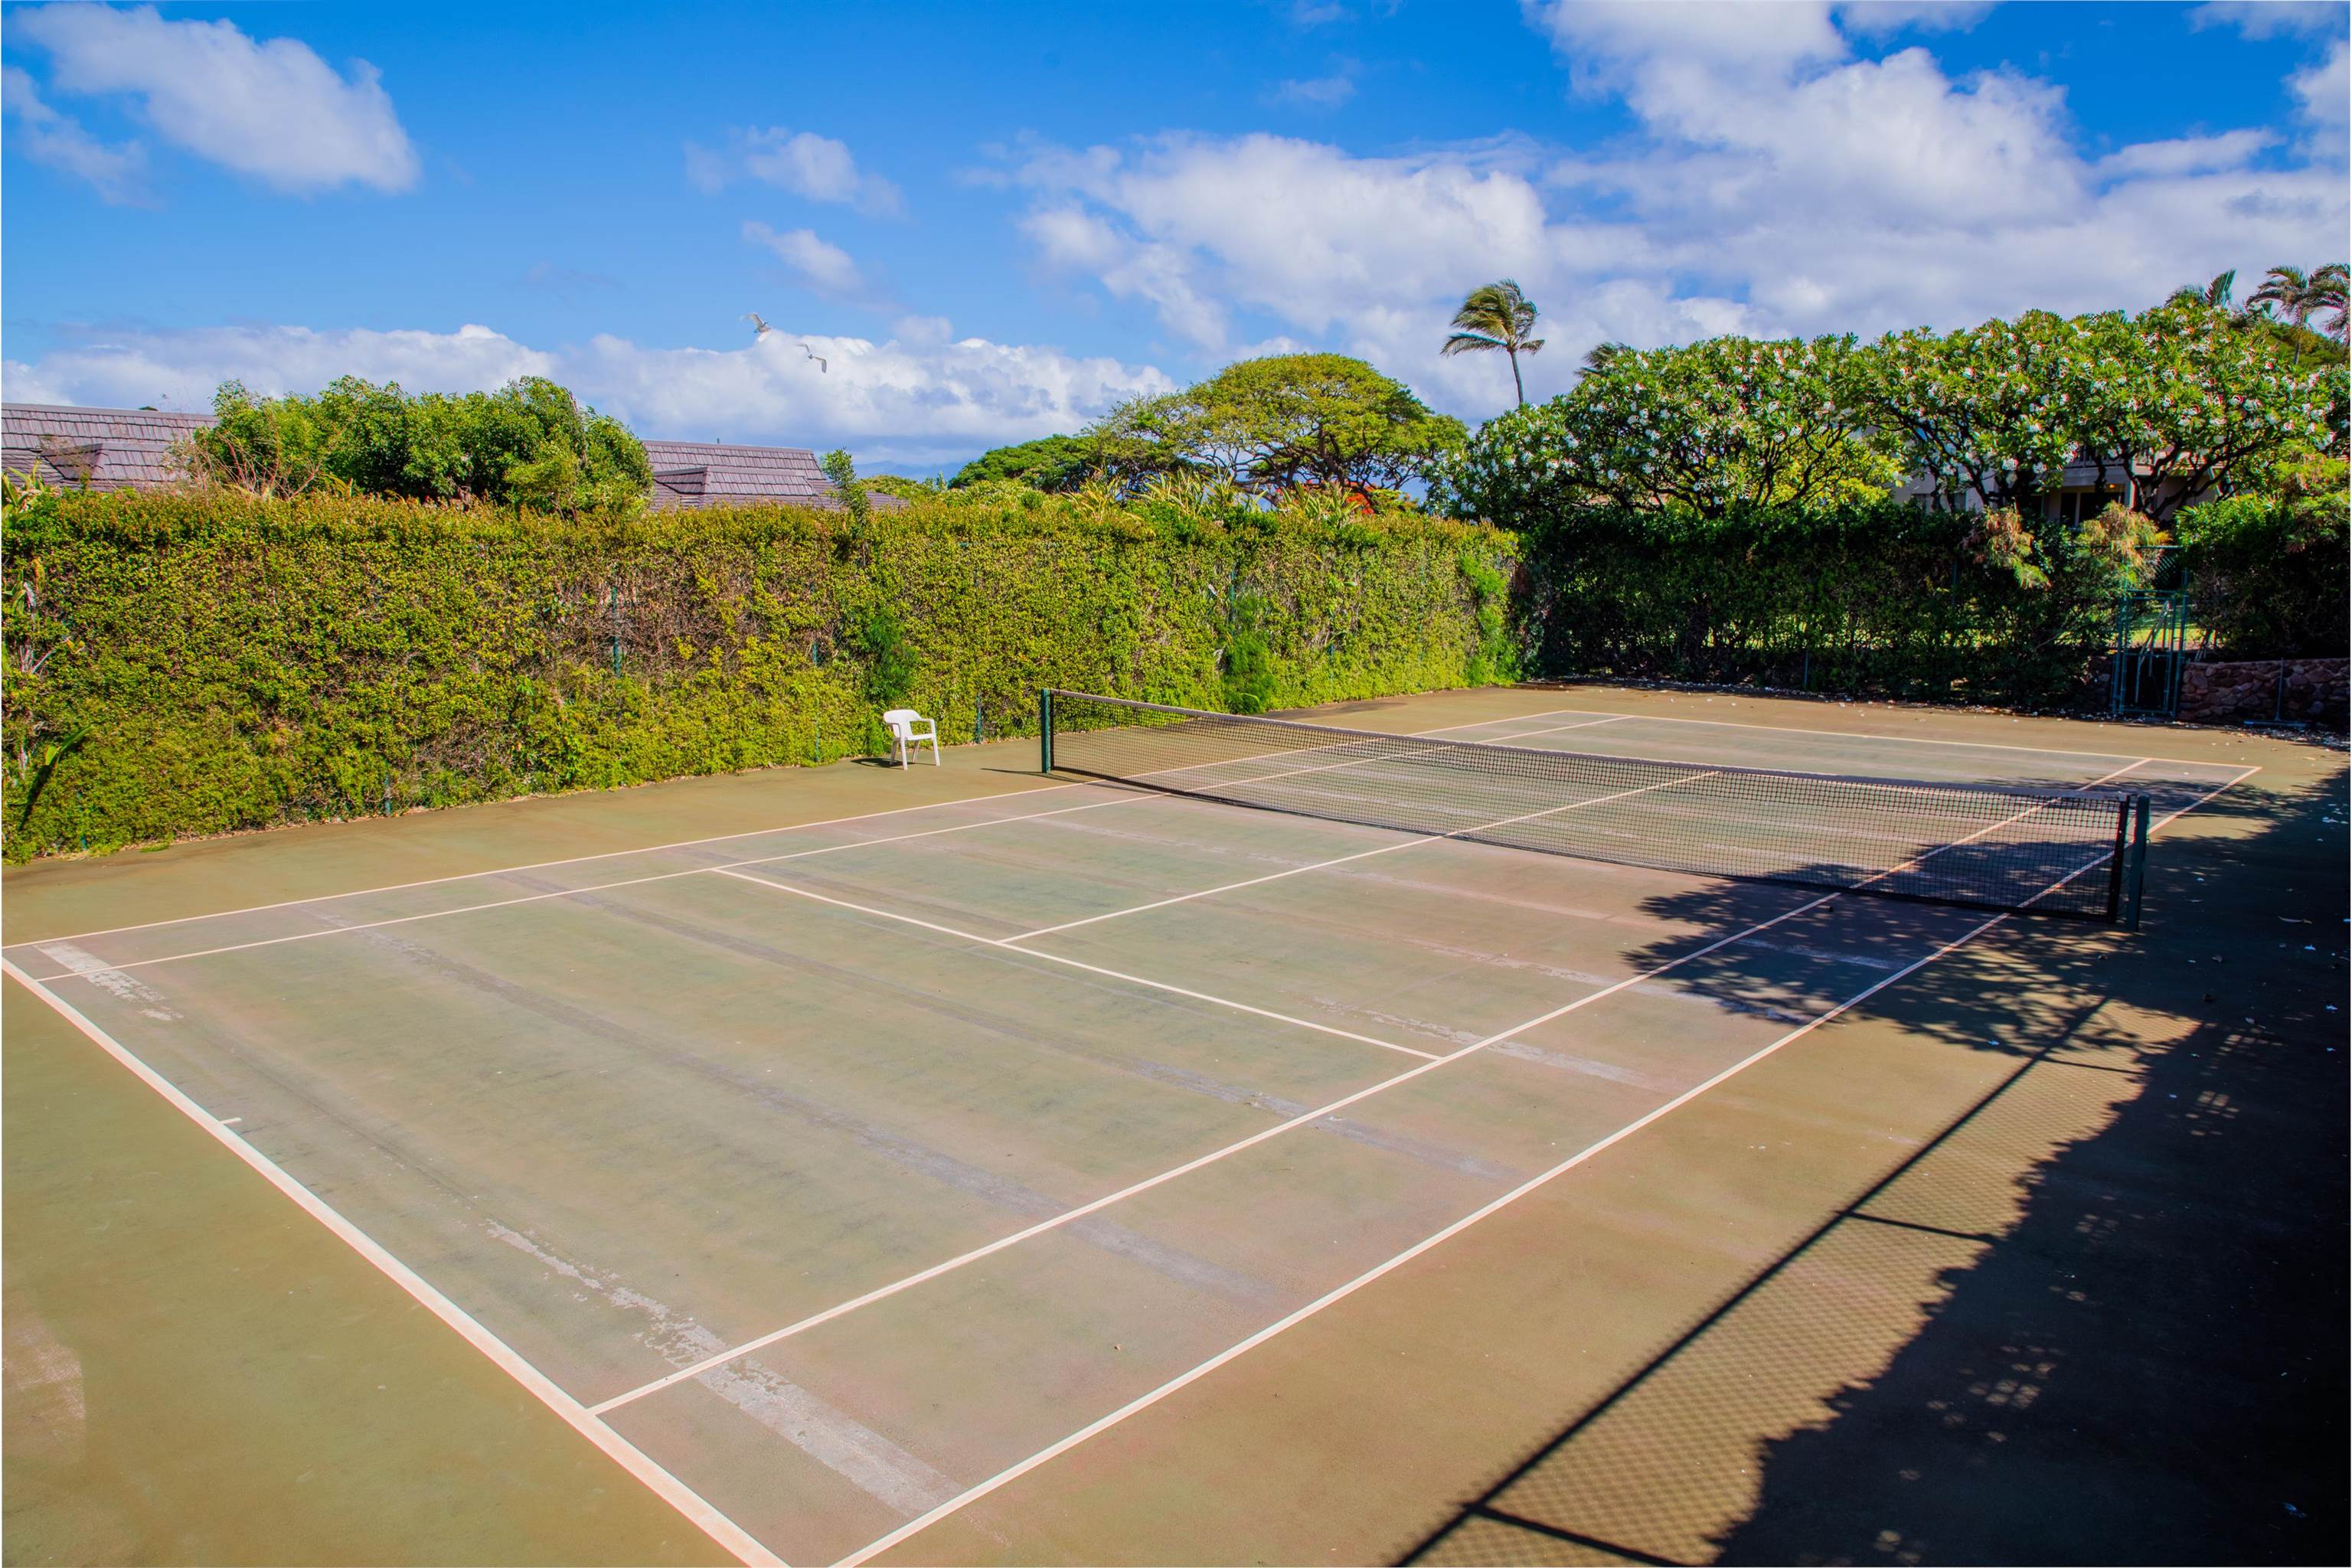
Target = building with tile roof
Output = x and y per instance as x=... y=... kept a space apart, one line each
x=101 y=449
x=129 y=448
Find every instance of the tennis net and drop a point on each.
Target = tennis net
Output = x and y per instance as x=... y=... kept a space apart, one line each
x=2077 y=854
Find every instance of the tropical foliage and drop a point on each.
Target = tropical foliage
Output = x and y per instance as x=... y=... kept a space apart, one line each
x=1497 y=316
x=205 y=660
x=531 y=442
x=1724 y=423
x=2175 y=403
x=1049 y=463
x=1271 y=425
x=2267 y=572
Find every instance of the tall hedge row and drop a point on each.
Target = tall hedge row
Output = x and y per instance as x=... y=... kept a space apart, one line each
x=230 y=662
x=1876 y=598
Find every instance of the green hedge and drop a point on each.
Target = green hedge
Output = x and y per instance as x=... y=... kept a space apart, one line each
x=236 y=663
x=1879 y=598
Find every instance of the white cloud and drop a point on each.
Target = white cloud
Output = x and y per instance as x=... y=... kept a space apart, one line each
x=919 y=398
x=181 y=368
x=2270 y=18
x=816 y=167
x=274 y=110
x=1877 y=18
x=1776 y=182
x=1321 y=92
x=825 y=268
x=61 y=143
x=2185 y=155
x=2325 y=91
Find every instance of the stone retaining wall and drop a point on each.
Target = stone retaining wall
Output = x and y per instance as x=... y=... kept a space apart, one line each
x=2314 y=691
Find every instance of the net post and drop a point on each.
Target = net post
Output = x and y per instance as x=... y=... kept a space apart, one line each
x=2136 y=877
x=1045 y=728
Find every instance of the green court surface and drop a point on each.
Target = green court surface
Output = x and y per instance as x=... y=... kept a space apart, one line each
x=960 y=1164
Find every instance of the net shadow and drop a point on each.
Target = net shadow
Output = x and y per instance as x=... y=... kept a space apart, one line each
x=2096 y=1318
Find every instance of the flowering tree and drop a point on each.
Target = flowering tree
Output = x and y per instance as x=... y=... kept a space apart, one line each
x=2178 y=400
x=1721 y=424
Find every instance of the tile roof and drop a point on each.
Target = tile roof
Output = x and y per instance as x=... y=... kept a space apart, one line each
x=112 y=448
x=711 y=473
x=106 y=449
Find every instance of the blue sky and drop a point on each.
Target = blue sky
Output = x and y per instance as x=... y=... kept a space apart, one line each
x=994 y=222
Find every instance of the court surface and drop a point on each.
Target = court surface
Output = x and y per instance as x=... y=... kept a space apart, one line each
x=834 y=1177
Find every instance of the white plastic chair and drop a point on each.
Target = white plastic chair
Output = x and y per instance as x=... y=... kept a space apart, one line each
x=909 y=730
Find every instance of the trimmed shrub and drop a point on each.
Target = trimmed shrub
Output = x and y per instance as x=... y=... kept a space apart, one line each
x=237 y=662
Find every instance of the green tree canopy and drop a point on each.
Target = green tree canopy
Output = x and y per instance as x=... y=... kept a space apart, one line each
x=1721 y=424
x=1054 y=463
x=530 y=442
x=2181 y=393
x=2186 y=399
x=1280 y=423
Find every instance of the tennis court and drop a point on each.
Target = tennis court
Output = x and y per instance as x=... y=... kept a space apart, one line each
x=832 y=1177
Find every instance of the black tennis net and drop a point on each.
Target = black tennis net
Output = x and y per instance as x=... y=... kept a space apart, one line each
x=2075 y=854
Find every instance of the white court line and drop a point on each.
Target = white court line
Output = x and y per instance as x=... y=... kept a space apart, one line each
x=640 y=1465
x=750 y=1346
x=1182 y=1380
x=1360 y=855
x=44 y=945
x=655 y=1480
x=1006 y=942
x=724 y=837
x=1901 y=740
x=104 y=968
x=1143 y=1402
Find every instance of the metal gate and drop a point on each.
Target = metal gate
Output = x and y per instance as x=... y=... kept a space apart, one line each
x=2151 y=643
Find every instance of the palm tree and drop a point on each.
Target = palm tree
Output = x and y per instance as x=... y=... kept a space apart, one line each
x=2329 y=286
x=2215 y=296
x=2298 y=296
x=1497 y=316
x=1600 y=357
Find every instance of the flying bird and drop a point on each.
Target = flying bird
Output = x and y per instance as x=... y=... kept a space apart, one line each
x=814 y=355
x=760 y=329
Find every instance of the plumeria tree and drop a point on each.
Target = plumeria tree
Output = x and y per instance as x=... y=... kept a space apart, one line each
x=2174 y=404
x=1721 y=424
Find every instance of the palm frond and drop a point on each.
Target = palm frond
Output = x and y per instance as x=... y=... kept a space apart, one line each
x=1465 y=342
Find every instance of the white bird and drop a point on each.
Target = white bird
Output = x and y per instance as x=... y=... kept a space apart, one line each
x=760 y=329
x=814 y=355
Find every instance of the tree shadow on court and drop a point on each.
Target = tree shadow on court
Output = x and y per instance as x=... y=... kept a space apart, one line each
x=2134 y=1352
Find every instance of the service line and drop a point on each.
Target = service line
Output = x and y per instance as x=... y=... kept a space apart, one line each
x=1010 y=945
x=1589 y=1152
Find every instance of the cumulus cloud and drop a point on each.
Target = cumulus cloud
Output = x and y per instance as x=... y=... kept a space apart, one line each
x=1779 y=181
x=271 y=110
x=825 y=268
x=919 y=397
x=816 y=167
x=60 y=141
x=182 y=367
